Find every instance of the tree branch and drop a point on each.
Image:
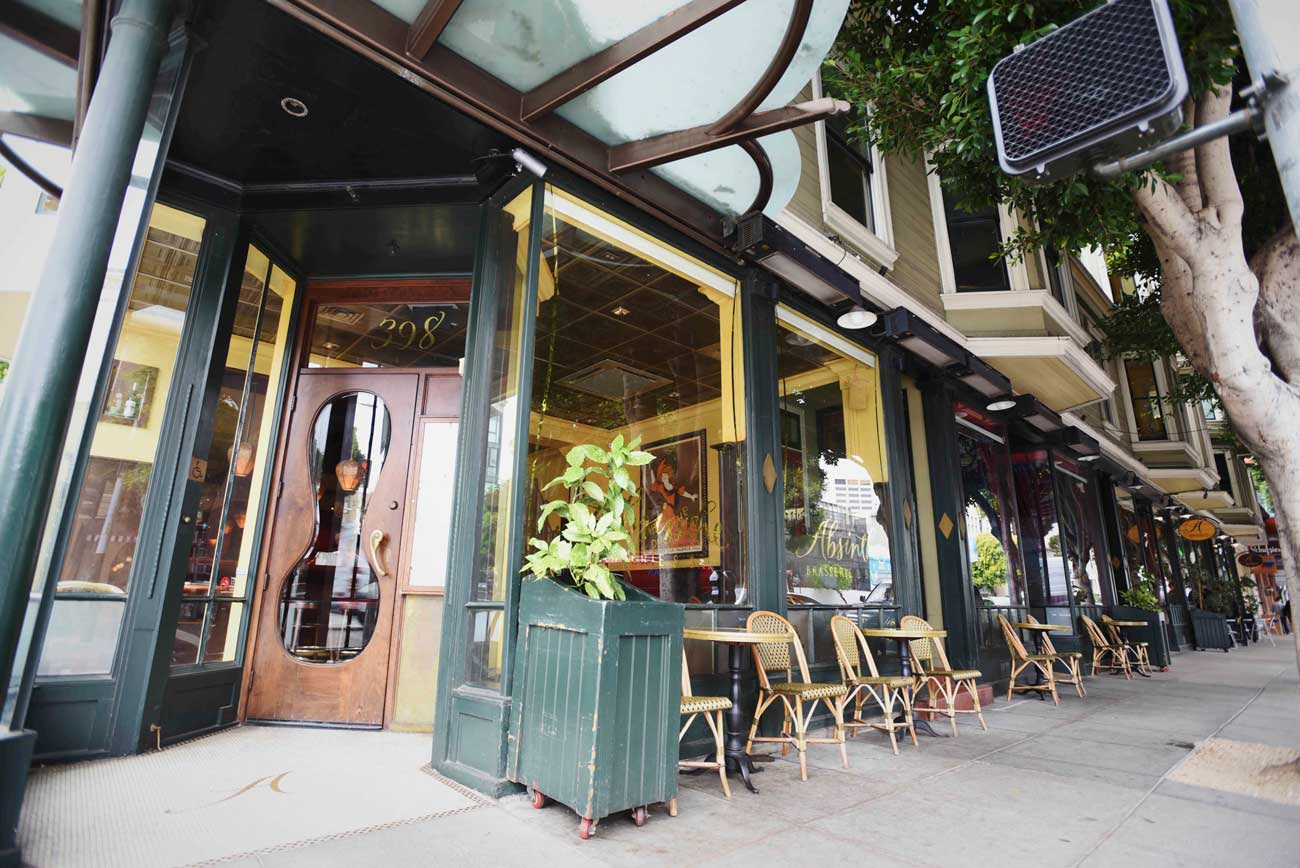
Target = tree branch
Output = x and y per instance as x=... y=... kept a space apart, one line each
x=1277 y=313
x=1184 y=163
x=1218 y=179
x=1169 y=221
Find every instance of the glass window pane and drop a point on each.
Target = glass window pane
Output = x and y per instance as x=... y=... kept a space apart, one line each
x=1144 y=392
x=387 y=335
x=1040 y=520
x=837 y=536
x=249 y=460
x=974 y=238
x=82 y=637
x=107 y=522
x=990 y=528
x=635 y=340
x=850 y=177
x=224 y=621
x=331 y=599
x=189 y=631
x=429 y=541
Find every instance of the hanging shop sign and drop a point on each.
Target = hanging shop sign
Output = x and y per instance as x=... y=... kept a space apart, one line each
x=1196 y=529
x=1250 y=559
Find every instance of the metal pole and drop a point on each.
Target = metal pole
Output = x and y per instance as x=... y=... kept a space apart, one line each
x=1268 y=31
x=43 y=380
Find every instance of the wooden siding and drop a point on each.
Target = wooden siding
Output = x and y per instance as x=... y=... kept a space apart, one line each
x=917 y=268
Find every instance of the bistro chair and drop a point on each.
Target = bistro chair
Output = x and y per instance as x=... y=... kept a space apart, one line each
x=1022 y=660
x=1071 y=660
x=851 y=650
x=1103 y=648
x=931 y=670
x=710 y=708
x=798 y=698
x=1139 y=650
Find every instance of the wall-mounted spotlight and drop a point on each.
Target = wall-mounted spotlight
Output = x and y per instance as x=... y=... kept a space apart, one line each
x=525 y=160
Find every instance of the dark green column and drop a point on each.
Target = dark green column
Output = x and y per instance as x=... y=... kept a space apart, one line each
x=1108 y=508
x=764 y=503
x=955 y=589
x=909 y=594
x=42 y=386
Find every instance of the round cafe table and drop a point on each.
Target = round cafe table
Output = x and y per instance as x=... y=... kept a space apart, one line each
x=902 y=636
x=1039 y=630
x=1129 y=625
x=737 y=640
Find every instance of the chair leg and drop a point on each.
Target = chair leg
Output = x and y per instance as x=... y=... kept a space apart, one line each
x=1051 y=683
x=950 y=695
x=1076 y=671
x=837 y=707
x=973 y=688
x=887 y=706
x=672 y=807
x=715 y=723
x=1011 y=684
x=801 y=744
x=911 y=720
x=758 y=715
x=785 y=732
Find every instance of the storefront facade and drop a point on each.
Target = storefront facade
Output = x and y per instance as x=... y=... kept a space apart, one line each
x=335 y=372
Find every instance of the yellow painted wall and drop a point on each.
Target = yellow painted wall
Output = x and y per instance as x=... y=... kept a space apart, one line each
x=924 y=507
x=417 y=663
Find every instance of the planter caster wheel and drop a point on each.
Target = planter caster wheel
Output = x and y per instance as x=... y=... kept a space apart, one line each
x=640 y=816
x=587 y=828
x=539 y=800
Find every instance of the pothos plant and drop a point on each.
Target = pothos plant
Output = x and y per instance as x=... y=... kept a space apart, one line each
x=597 y=518
x=1142 y=595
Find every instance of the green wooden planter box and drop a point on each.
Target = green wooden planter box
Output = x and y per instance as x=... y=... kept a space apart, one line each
x=1154 y=634
x=597 y=698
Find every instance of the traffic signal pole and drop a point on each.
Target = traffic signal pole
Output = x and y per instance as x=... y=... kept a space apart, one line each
x=1270 y=38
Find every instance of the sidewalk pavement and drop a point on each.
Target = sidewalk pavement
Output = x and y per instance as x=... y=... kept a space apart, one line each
x=1095 y=782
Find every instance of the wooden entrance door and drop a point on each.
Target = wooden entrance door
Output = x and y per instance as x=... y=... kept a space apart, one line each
x=323 y=638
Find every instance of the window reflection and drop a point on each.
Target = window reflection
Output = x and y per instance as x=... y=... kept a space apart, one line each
x=990 y=525
x=634 y=339
x=837 y=539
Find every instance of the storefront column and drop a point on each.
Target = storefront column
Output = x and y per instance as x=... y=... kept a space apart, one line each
x=956 y=592
x=42 y=386
x=763 y=485
x=1108 y=509
x=906 y=566
x=1177 y=592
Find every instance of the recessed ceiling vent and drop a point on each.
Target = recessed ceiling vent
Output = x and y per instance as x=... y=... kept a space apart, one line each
x=348 y=316
x=613 y=380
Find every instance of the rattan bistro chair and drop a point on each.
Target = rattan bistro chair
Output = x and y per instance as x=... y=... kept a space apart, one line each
x=1071 y=660
x=710 y=708
x=798 y=698
x=931 y=669
x=1140 y=650
x=1022 y=660
x=851 y=650
x=1103 y=648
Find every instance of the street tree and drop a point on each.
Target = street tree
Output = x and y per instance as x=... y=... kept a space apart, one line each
x=1214 y=241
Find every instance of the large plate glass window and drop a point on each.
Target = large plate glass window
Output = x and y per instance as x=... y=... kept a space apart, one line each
x=95 y=579
x=990 y=527
x=636 y=339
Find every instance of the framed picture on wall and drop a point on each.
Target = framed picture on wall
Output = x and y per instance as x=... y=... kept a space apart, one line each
x=674 y=500
x=130 y=394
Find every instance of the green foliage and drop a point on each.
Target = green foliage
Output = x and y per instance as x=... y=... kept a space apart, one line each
x=1262 y=492
x=1142 y=595
x=597 y=520
x=989 y=570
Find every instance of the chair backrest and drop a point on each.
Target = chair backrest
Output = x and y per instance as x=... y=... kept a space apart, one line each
x=846 y=647
x=686 y=676
x=775 y=656
x=1048 y=647
x=1111 y=630
x=1017 y=647
x=1094 y=632
x=926 y=653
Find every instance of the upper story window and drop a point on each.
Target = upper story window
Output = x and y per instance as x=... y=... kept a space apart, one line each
x=1057 y=278
x=1144 y=396
x=1225 y=473
x=974 y=238
x=849 y=165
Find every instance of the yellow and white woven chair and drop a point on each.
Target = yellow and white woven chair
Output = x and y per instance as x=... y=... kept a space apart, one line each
x=1072 y=661
x=851 y=650
x=710 y=708
x=932 y=671
x=798 y=699
x=1140 y=651
x=1022 y=660
x=1103 y=648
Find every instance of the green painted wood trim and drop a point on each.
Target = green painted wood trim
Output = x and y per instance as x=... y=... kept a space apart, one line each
x=1108 y=507
x=909 y=592
x=764 y=510
x=957 y=594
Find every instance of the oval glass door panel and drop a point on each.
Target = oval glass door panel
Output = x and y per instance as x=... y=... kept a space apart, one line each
x=330 y=603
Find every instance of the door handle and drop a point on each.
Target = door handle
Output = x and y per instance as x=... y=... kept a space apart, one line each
x=377 y=538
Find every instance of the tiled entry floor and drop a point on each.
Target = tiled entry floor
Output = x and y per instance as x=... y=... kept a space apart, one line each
x=251 y=790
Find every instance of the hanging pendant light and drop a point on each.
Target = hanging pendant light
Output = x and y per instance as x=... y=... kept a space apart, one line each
x=349 y=473
x=244 y=459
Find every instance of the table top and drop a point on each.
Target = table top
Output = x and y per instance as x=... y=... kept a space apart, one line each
x=901 y=633
x=731 y=636
x=1034 y=625
x=1126 y=623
